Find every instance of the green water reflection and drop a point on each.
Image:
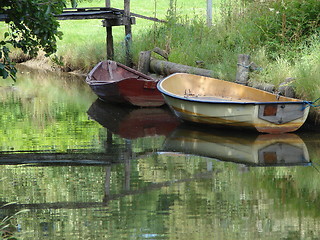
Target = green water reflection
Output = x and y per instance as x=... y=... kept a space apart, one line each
x=88 y=170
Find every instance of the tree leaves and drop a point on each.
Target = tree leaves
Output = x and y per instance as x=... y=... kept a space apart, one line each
x=32 y=26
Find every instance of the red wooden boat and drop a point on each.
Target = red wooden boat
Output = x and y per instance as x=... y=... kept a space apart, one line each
x=117 y=83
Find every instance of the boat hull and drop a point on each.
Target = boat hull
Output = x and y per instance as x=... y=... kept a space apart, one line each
x=129 y=91
x=120 y=84
x=230 y=106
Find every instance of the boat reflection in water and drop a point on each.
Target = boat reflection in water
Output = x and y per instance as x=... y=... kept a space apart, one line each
x=249 y=148
x=239 y=147
x=132 y=122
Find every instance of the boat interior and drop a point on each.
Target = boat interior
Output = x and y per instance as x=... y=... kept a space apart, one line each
x=196 y=87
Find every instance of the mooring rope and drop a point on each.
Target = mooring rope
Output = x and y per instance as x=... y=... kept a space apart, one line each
x=311 y=103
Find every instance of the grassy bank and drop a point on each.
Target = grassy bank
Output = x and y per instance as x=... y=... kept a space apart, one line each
x=280 y=42
x=275 y=33
x=84 y=42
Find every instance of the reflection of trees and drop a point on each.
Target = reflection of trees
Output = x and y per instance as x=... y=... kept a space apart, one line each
x=234 y=199
x=180 y=195
x=111 y=196
x=170 y=195
x=41 y=108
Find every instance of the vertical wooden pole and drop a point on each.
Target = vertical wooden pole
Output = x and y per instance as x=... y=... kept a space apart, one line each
x=242 y=76
x=209 y=13
x=128 y=33
x=144 y=62
x=109 y=39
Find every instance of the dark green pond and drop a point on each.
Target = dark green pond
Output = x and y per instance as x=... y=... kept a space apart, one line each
x=84 y=169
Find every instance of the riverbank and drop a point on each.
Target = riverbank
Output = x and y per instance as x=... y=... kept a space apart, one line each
x=278 y=47
x=312 y=122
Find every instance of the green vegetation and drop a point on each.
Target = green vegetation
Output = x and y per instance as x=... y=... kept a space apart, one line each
x=8 y=224
x=31 y=26
x=170 y=196
x=282 y=38
x=33 y=118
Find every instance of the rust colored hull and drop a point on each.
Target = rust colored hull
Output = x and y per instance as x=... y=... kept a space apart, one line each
x=117 y=83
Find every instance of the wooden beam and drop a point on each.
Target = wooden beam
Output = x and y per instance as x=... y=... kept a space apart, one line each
x=166 y=68
x=148 y=18
x=118 y=21
x=93 y=13
x=88 y=14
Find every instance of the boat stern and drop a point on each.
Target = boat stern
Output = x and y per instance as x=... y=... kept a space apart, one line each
x=280 y=117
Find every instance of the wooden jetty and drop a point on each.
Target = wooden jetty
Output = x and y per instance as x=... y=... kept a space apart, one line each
x=111 y=17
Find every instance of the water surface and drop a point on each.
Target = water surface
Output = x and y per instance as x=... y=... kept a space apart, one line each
x=89 y=170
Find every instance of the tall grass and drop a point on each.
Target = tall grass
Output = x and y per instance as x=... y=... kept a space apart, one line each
x=84 y=42
x=279 y=35
x=306 y=69
x=8 y=227
x=271 y=33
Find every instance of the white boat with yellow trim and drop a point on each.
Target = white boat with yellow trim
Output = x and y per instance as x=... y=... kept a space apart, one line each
x=212 y=101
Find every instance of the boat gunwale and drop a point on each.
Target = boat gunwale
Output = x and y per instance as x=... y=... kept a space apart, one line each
x=99 y=82
x=233 y=102
x=140 y=76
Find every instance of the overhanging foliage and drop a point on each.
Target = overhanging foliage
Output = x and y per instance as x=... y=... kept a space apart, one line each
x=31 y=26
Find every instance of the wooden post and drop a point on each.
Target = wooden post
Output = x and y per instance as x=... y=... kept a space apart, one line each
x=209 y=13
x=109 y=39
x=286 y=88
x=128 y=33
x=243 y=69
x=144 y=62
